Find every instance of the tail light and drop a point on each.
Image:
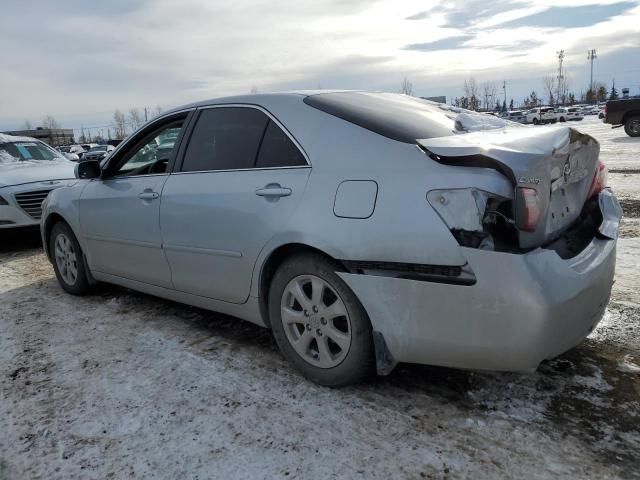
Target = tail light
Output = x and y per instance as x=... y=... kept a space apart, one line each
x=599 y=180
x=527 y=209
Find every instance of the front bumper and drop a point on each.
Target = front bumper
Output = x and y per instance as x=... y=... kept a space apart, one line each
x=13 y=215
x=523 y=308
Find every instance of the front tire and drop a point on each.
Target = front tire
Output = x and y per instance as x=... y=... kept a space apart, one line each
x=632 y=126
x=67 y=258
x=319 y=323
x=535 y=121
x=562 y=119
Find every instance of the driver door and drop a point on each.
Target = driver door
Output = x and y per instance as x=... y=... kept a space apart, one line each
x=119 y=213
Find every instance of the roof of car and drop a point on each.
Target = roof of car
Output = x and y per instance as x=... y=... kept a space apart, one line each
x=4 y=138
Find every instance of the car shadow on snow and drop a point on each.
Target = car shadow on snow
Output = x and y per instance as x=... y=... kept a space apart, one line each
x=18 y=243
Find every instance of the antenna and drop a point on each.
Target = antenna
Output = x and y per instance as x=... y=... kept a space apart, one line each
x=591 y=56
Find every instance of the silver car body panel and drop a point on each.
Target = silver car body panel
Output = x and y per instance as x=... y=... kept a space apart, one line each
x=207 y=237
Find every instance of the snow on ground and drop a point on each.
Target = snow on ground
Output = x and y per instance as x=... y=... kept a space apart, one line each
x=123 y=385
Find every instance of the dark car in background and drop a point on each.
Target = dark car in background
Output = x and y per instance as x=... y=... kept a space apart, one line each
x=98 y=152
x=624 y=113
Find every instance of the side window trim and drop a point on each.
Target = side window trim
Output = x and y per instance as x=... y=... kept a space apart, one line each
x=140 y=135
x=179 y=160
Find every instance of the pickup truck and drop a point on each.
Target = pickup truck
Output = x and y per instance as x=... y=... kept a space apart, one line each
x=624 y=113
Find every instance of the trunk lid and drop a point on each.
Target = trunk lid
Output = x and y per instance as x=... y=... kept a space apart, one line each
x=558 y=162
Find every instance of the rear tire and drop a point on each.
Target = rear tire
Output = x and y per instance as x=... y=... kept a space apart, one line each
x=67 y=259
x=535 y=121
x=325 y=332
x=632 y=126
x=562 y=119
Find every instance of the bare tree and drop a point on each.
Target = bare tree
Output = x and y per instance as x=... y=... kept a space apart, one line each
x=549 y=83
x=254 y=90
x=49 y=122
x=158 y=111
x=26 y=125
x=120 y=124
x=406 y=87
x=471 y=92
x=489 y=92
x=136 y=119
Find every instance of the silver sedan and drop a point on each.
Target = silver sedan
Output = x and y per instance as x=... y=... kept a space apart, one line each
x=29 y=170
x=364 y=229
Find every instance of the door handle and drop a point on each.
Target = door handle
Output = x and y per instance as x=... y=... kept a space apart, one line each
x=148 y=195
x=274 y=190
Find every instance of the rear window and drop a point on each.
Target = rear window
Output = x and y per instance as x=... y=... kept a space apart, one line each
x=399 y=117
x=23 y=151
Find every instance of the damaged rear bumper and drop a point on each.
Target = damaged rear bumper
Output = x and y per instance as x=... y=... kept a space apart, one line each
x=522 y=309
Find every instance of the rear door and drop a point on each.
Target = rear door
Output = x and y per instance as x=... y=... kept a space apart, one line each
x=239 y=183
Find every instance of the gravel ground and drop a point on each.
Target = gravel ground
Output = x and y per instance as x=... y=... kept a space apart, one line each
x=124 y=385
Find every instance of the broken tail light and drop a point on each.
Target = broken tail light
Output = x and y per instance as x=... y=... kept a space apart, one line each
x=599 y=180
x=527 y=209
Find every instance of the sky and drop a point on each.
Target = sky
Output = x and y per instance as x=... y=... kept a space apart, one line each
x=78 y=61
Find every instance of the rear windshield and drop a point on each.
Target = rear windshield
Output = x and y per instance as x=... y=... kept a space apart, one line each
x=398 y=117
x=99 y=148
x=22 y=151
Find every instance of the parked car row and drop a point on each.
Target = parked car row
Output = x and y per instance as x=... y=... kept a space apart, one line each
x=85 y=151
x=545 y=115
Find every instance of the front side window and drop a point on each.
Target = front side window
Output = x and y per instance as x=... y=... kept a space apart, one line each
x=151 y=154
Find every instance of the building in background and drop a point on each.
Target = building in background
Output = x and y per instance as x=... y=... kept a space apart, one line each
x=55 y=137
x=441 y=99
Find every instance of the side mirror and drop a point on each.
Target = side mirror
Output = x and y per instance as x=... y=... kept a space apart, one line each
x=88 y=169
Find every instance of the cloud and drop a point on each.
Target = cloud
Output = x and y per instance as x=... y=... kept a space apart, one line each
x=80 y=62
x=571 y=17
x=443 y=44
x=461 y=13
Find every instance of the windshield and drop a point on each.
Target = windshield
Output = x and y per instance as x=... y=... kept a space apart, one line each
x=24 y=151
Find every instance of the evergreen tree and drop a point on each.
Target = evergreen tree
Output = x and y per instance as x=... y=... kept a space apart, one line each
x=511 y=104
x=613 y=95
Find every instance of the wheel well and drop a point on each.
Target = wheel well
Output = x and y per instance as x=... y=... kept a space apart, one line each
x=276 y=258
x=632 y=113
x=48 y=226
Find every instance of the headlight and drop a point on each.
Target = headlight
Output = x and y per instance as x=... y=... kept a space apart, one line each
x=3 y=201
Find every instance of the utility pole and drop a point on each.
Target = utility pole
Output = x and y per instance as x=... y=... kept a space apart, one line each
x=591 y=56
x=145 y=115
x=504 y=90
x=560 y=54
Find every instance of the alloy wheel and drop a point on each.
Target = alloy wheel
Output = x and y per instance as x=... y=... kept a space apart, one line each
x=316 y=321
x=66 y=259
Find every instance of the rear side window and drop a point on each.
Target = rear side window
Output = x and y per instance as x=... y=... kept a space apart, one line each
x=277 y=149
x=225 y=138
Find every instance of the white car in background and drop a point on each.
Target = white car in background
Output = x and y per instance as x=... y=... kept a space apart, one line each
x=515 y=116
x=541 y=115
x=29 y=170
x=566 y=114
